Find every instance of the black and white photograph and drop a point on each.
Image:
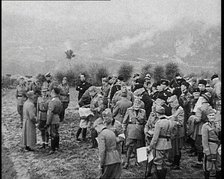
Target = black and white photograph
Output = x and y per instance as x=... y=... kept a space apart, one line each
x=111 y=89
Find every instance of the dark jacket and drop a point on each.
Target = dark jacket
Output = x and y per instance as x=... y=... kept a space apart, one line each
x=81 y=87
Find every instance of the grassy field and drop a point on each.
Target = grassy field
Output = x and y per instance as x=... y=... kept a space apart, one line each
x=74 y=161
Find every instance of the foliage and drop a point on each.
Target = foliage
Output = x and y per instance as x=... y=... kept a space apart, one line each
x=125 y=71
x=170 y=70
x=158 y=73
x=101 y=72
x=41 y=78
x=146 y=69
x=7 y=82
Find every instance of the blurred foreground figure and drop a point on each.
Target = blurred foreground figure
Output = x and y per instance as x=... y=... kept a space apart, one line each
x=110 y=162
x=211 y=134
x=29 y=127
x=21 y=98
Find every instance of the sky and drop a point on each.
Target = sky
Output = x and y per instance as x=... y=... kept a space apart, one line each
x=161 y=13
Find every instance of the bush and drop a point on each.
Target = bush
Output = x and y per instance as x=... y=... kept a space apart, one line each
x=125 y=71
x=146 y=69
x=171 y=70
x=158 y=73
x=101 y=72
x=41 y=78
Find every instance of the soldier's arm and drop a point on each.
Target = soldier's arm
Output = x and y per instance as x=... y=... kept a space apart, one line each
x=198 y=115
x=50 y=113
x=180 y=117
x=204 y=132
x=115 y=109
x=31 y=112
x=120 y=132
x=102 y=149
x=155 y=135
x=146 y=128
x=16 y=93
x=38 y=115
x=125 y=121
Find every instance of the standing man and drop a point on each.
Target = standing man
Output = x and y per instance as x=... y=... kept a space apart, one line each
x=21 y=98
x=133 y=125
x=64 y=96
x=29 y=128
x=110 y=162
x=216 y=83
x=47 y=83
x=42 y=107
x=202 y=86
x=54 y=109
x=161 y=142
x=211 y=143
x=82 y=86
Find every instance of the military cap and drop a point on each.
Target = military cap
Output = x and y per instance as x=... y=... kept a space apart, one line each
x=172 y=98
x=148 y=76
x=210 y=111
x=65 y=78
x=185 y=83
x=121 y=78
x=162 y=96
x=140 y=81
x=204 y=82
x=30 y=94
x=165 y=82
x=214 y=76
x=136 y=74
x=196 y=90
x=159 y=109
x=48 y=74
x=137 y=103
x=207 y=96
x=92 y=89
x=44 y=89
x=105 y=79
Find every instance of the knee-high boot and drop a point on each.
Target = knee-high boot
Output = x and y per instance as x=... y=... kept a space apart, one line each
x=53 y=143
x=160 y=174
x=149 y=168
x=206 y=174
x=57 y=142
x=84 y=131
x=218 y=174
x=93 y=137
x=78 y=133
x=129 y=152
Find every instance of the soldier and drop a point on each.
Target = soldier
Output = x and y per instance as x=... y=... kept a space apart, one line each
x=21 y=98
x=185 y=102
x=116 y=86
x=176 y=83
x=110 y=162
x=96 y=106
x=216 y=83
x=64 y=96
x=165 y=89
x=117 y=95
x=82 y=86
x=211 y=142
x=133 y=125
x=121 y=107
x=115 y=126
x=42 y=107
x=134 y=81
x=177 y=133
x=150 y=128
x=29 y=124
x=54 y=109
x=199 y=120
x=202 y=86
x=105 y=90
x=50 y=83
x=161 y=143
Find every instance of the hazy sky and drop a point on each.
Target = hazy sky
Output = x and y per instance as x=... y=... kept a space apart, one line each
x=161 y=13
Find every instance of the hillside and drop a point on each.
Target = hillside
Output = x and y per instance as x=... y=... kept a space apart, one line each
x=31 y=46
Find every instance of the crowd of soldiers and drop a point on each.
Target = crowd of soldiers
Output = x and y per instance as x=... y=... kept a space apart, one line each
x=164 y=116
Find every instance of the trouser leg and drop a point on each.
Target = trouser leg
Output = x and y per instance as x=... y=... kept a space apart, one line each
x=129 y=152
x=84 y=131
x=78 y=132
x=93 y=137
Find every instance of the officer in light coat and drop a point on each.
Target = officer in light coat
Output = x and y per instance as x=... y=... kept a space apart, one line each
x=133 y=125
x=177 y=133
x=211 y=145
x=21 y=98
x=110 y=162
x=161 y=143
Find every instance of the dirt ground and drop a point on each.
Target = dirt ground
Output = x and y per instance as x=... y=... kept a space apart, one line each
x=74 y=161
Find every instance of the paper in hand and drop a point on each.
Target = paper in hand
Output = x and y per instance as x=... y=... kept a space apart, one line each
x=141 y=154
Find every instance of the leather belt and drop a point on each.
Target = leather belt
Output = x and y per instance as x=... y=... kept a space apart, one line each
x=214 y=141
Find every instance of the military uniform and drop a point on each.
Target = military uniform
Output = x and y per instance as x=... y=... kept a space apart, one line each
x=82 y=86
x=21 y=98
x=211 y=144
x=54 y=109
x=42 y=107
x=117 y=97
x=50 y=85
x=64 y=97
x=161 y=144
x=133 y=125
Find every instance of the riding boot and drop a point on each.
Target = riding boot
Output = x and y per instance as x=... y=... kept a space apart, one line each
x=218 y=174
x=53 y=143
x=57 y=142
x=93 y=138
x=160 y=174
x=84 y=131
x=78 y=133
x=164 y=173
x=206 y=174
x=149 y=168
x=129 y=152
